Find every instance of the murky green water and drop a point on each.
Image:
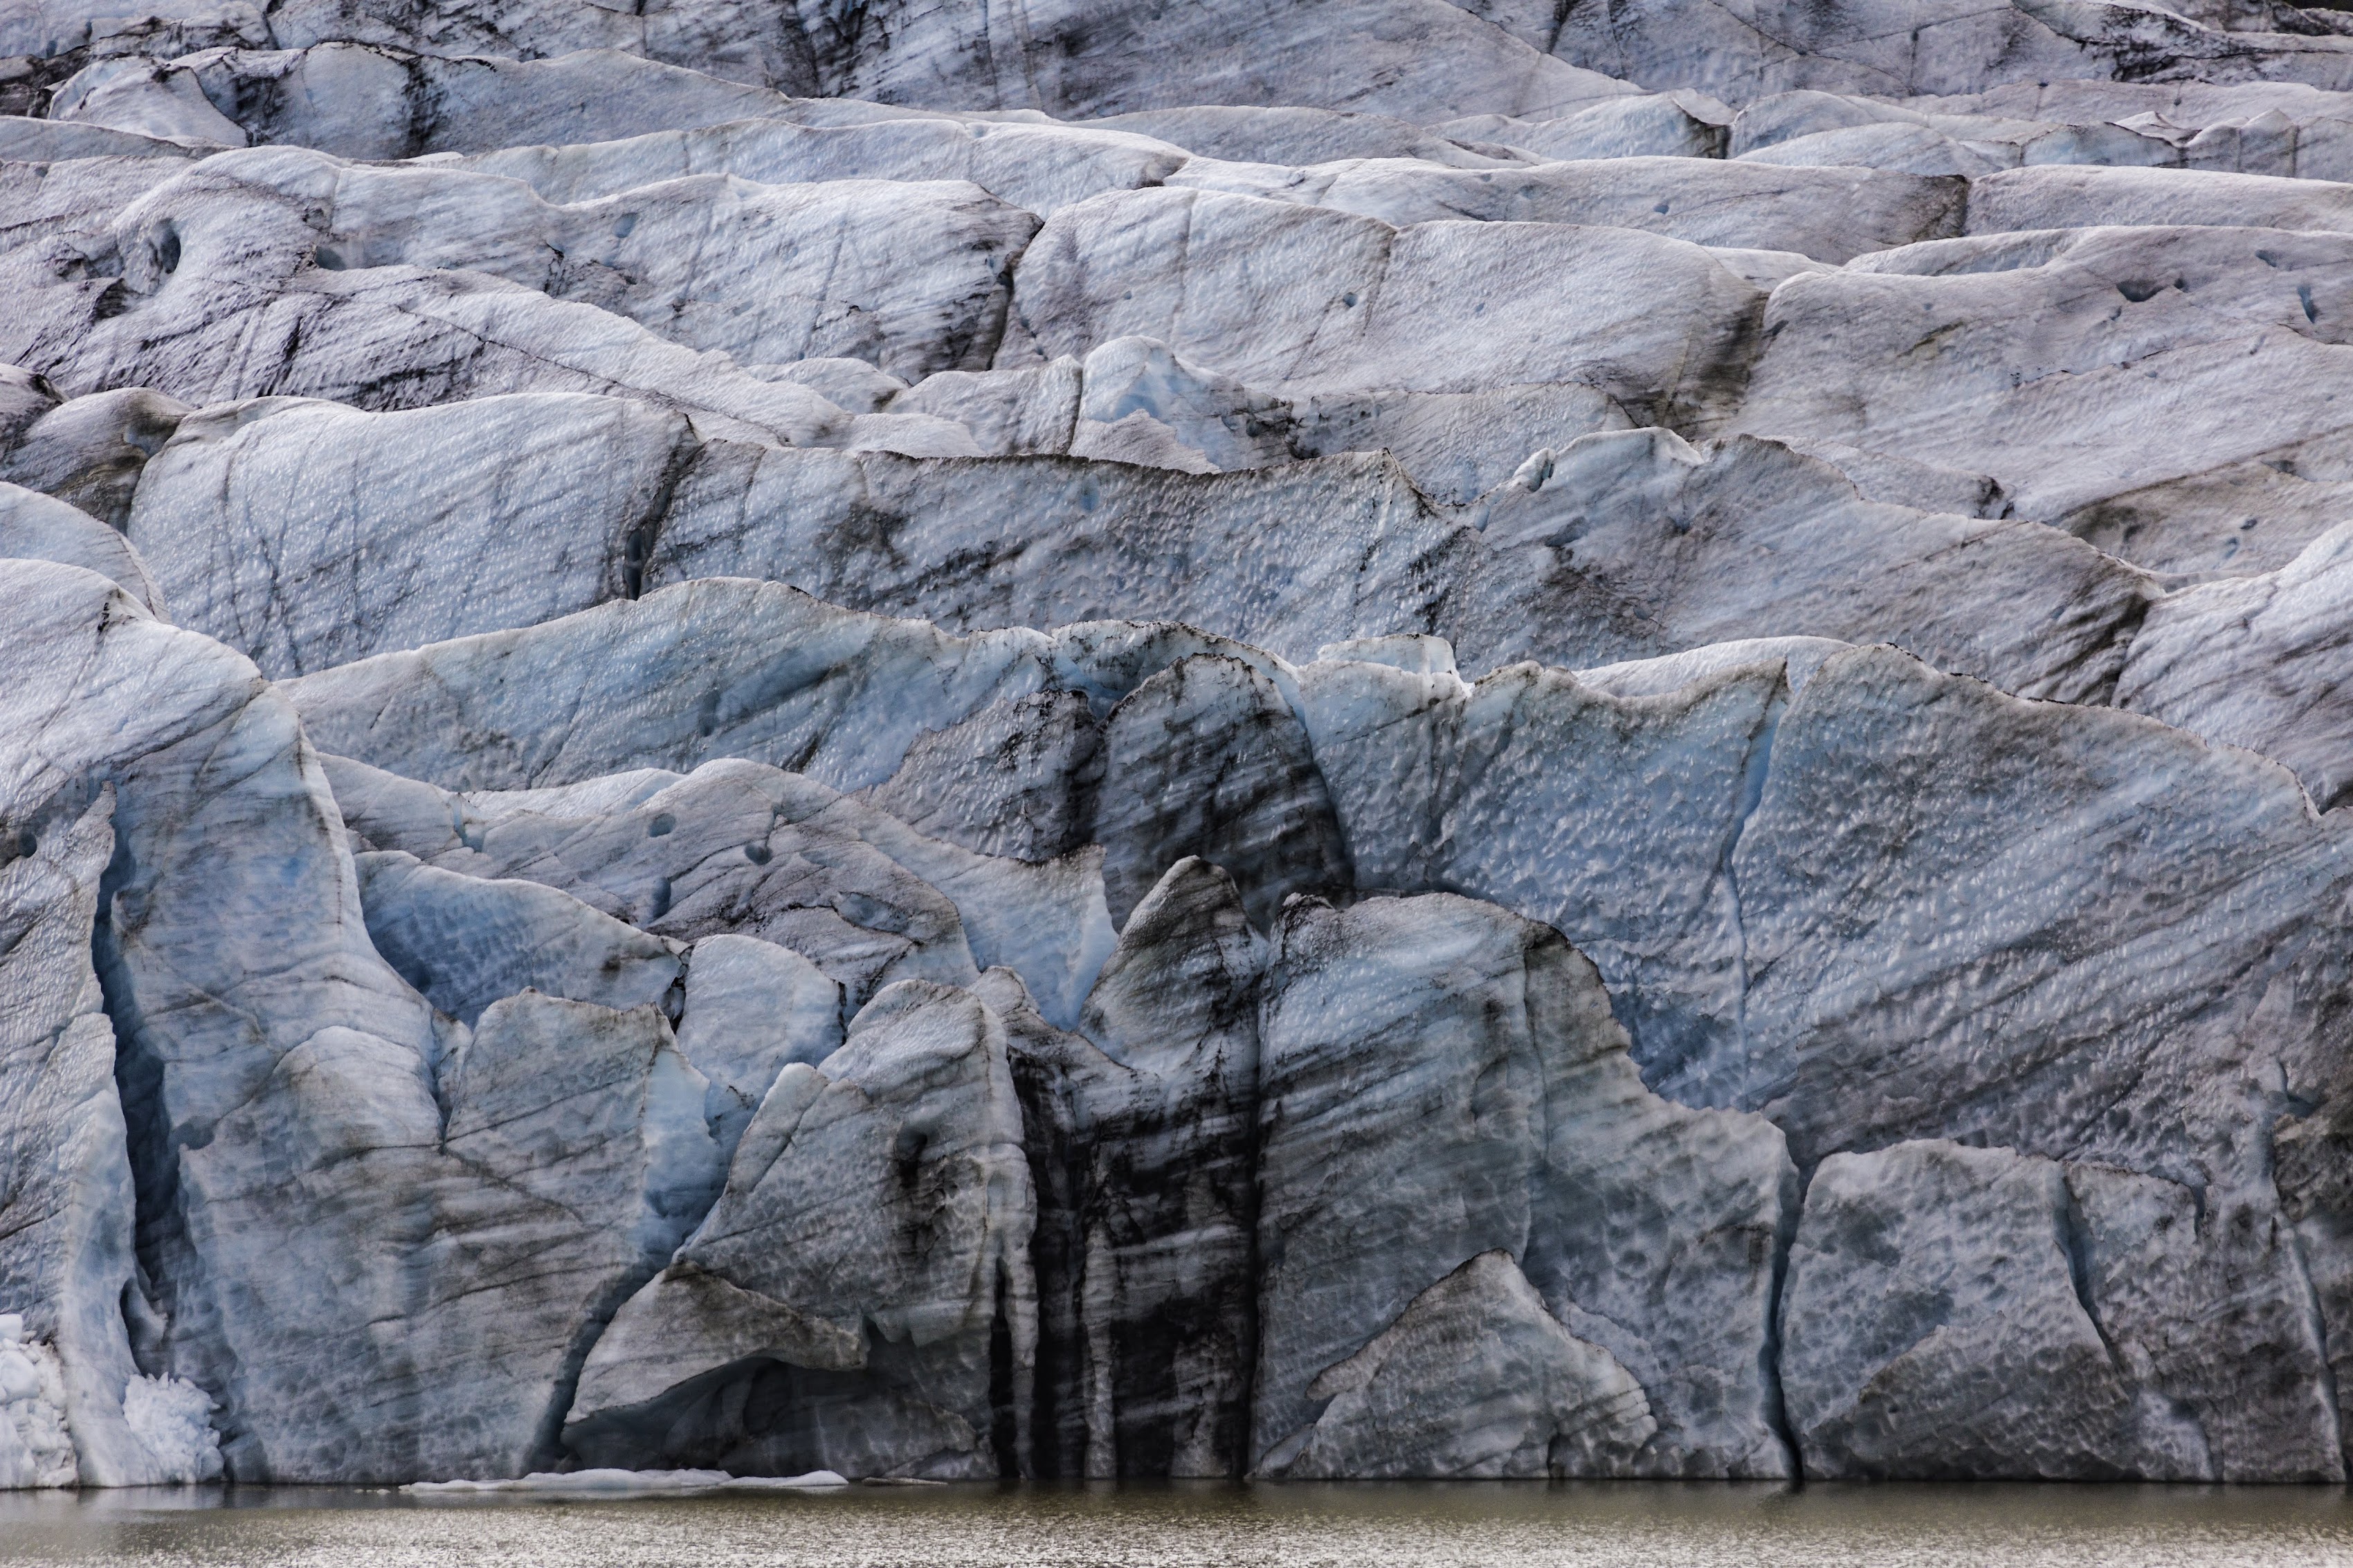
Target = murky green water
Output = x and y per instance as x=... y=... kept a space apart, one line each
x=1462 y=1526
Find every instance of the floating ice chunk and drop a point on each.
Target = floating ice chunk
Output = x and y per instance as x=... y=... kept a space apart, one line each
x=173 y=1418
x=814 y=1481
x=35 y=1450
x=650 y=1483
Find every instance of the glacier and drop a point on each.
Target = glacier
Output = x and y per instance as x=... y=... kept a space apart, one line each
x=754 y=747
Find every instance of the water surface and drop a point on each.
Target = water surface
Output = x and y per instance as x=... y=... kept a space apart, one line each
x=1575 y=1525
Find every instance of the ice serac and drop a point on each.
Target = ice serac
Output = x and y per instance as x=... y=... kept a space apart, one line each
x=734 y=848
x=252 y=513
x=2115 y=951
x=704 y=670
x=2080 y=197
x=34 y=526
x=1287 y=296
x=1141 y=402
x=374 y=99
x=753 y=1008
x=862 y=1291
x=1046 y=541
x=1675 y=123
x=229 y=1096
x=1418 y=59
x=1613 y=544
x=1421 y=59
x=468 y=942
x=1798 y=657
x=1959 y=1313
x=1205 y=758
x=1018 y=778
x=1894 y=48
x=57 y=141
x=2253 y=661
x=372 y=1273
x=2116 y=944
x=70 y=1280
x=1474 y=1380
x=2310 y=1153
x=738 y=847
x=1141 y=1150
x=1627 y=544
x=1441 y=783
x=91 y=450
x=2085 y=370
x=584 y=1130
x=1497 y=1064
x=1828 y=213
x=1036 y=168
x=912 y=276
x=1296 y=135
x=169 y=292
x=2254 y=127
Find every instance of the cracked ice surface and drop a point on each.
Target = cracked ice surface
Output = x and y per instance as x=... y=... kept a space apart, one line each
x=1359 y=738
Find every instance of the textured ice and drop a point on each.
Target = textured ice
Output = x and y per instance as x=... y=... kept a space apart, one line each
x=746 y=747
x=1927 y=1278
x=36 y=1449
x=34 y=526
x=173 y=1418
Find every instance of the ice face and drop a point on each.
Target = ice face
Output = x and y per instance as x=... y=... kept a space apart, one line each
x=1359 y=738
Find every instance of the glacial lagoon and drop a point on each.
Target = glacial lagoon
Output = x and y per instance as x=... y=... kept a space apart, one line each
x=1352 y=1525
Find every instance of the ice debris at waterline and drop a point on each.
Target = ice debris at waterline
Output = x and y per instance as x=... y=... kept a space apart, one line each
x=1349 y=738
x=630 y=1483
